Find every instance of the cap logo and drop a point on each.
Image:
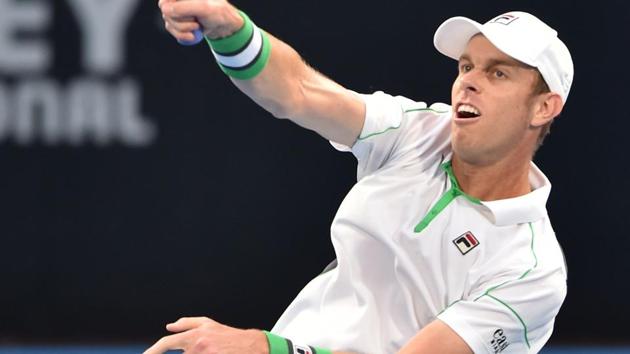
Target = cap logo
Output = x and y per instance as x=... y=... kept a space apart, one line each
x=466 y=242
x=505 y=19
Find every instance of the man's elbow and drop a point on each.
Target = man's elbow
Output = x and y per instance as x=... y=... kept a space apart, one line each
x=280 y=111
x=291 y=107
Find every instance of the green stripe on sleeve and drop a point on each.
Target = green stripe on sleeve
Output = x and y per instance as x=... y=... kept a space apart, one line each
x=487 y=293
x=515 y=314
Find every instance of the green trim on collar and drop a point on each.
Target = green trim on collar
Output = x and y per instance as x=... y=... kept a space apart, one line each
x=441 y=204
x=448 y=167
x=454 y=192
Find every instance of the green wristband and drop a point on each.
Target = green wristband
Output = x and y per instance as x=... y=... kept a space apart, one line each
x=255 y=67
x=236 y=40
x=279 y=345
x=245 y=53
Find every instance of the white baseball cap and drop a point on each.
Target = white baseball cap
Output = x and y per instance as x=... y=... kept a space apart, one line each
x=518 y=34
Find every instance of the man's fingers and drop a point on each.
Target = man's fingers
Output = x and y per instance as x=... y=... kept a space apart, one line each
x=194 y=9
x=180 y=36
x=173 y=342
x=187 y=323
x=162 y=2
x=179 y=26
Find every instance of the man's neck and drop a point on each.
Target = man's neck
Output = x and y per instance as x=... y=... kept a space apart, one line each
x=504 y=179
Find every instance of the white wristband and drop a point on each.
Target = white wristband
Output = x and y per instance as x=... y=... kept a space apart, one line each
x=244 y=57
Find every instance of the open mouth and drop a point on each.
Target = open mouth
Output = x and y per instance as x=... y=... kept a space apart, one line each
x=466 y=111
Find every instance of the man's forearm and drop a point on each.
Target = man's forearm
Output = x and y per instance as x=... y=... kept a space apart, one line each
x=289 y=88
x=277 y=87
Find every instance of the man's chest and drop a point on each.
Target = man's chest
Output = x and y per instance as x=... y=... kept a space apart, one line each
x=404 y=229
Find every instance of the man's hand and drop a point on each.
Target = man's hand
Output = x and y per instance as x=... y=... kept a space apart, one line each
x=201 y=335
x=217 y=18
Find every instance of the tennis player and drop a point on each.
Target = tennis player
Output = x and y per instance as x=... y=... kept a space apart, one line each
x=444 y=244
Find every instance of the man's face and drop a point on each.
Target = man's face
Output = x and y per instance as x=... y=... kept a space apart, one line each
x=492 y=104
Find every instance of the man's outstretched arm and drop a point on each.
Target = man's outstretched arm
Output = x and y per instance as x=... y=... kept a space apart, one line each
x=201 y=335
x=287 y=87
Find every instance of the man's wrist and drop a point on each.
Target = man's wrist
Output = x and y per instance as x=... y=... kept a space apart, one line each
x=236 y=39
x=260 y=345
x=243 y=54
x=232 y=23
x=279 y=345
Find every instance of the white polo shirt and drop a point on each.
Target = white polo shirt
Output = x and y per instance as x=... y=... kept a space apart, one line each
x=412 y=247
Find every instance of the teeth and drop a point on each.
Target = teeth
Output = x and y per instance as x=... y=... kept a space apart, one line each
x=468 y=108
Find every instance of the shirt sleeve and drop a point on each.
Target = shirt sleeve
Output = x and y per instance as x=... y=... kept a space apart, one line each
x=397 y=129
x=511 y=317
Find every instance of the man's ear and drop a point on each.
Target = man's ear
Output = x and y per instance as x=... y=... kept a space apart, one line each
x=547 y=107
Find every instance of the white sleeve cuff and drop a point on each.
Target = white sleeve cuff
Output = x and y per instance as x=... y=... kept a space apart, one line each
x=382 y=112
x=464 y=330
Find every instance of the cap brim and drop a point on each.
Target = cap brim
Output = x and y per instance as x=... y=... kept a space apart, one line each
x=453 y=35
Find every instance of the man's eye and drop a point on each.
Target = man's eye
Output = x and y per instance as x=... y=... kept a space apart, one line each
x=466 y=67
x=499 y=74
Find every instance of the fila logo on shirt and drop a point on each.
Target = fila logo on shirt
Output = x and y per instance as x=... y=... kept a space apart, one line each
x=504 y=19
x=499 y=341
x=466 y=242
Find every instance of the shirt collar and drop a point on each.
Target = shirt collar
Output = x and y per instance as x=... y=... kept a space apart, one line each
x=525 y=208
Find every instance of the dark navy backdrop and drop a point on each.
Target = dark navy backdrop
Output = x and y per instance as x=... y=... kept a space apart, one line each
x=225 y=212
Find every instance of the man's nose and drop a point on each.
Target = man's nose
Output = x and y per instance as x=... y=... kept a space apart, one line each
x=470 y=82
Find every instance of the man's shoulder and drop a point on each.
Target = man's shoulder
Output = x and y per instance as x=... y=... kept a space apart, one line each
x=407 y=105
x=437 y=108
